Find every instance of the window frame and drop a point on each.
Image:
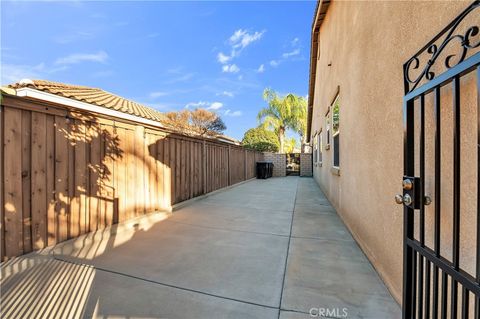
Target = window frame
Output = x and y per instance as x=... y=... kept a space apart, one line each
x=327 y=129
x=320 y=147
x=337 y=133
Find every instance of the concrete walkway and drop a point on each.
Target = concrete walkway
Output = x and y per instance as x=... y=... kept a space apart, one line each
x=265 y=249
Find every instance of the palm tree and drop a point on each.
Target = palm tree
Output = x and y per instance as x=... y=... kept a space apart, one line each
x=282 y=113
x=300 y=119
x=290 y=145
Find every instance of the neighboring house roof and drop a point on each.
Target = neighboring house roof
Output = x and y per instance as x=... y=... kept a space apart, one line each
x=98 y=97
x=93 y=96
x=319 y=16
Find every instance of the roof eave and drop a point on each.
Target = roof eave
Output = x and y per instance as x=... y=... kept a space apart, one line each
x=53 y=98
x=319 y=16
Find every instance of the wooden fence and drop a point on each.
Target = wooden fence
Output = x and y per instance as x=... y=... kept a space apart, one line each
x=66 y=173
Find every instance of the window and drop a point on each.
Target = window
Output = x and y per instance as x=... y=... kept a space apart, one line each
x=319 y=147
x=315 y=147
x=336 y=131
x=327 y=126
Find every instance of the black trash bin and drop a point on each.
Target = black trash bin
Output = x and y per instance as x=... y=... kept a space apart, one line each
x=264 y=170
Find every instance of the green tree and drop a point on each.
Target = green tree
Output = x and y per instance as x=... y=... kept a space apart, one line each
x=282 y=113
x=261 y=140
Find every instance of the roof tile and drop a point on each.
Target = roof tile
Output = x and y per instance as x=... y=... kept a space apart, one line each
x=94 y=96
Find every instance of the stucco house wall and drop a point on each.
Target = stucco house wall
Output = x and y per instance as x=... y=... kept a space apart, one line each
x=362 y=47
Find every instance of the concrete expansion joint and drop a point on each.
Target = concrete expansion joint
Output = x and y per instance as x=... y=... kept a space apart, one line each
x=166 y=285
x=288 y=248
x=227 y=229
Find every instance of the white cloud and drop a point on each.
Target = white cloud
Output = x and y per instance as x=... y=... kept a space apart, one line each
x=205 y=105
x=11 y=73
x=99 y=57
x=232 y=113
x=179 y=78
x=232 y=68
x=196 y=104
x=154 y=95
x=238 y=41
x=287 y=55
x=274 y=63
x=261 y=68
x=222 y=58
x=73 y=37
x=295 y=51
x=215 y=106
x=241 y=38
x=226 y=93
x=15 y=72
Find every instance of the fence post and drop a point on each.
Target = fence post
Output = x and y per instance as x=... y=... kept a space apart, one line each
x=245 y=163
x=204 y=167
x=229 y=168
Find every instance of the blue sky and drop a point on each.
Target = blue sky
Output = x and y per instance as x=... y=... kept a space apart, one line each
x=167 y=55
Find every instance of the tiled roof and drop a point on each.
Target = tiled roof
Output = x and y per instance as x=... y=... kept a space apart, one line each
x=93 y=96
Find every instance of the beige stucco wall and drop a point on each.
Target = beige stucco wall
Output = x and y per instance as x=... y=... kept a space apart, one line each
x=366 y=44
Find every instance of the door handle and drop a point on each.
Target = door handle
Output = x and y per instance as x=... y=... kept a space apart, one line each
x=406 y=199
x=399 y=199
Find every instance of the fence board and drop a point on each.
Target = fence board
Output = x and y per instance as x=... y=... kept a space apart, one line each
x=95 y=177
x=159 y=162
x=178 y=169
x=130 y=173
x=26 y=180
x=13 y=183
x=50 y=181
x=110 y=149
x=39 y=180
x=167 y=174
x=62 y=200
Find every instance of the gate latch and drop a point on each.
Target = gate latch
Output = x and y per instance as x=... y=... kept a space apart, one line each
x=411 y=192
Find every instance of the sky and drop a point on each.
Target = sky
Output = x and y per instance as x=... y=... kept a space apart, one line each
x=166 y=55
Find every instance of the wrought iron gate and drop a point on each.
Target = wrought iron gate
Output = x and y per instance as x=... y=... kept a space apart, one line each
x=436 y=284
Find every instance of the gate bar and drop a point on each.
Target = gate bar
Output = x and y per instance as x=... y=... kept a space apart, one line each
x=438 y=146
x=444 y=294
x=456 y=193
x=477 y=302
x=427 y=288
x=408 y=170
x=465 y=303
x=422 y=206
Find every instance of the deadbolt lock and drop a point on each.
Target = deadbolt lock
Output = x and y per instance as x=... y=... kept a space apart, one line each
x=411 y=192
x=407 y=184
